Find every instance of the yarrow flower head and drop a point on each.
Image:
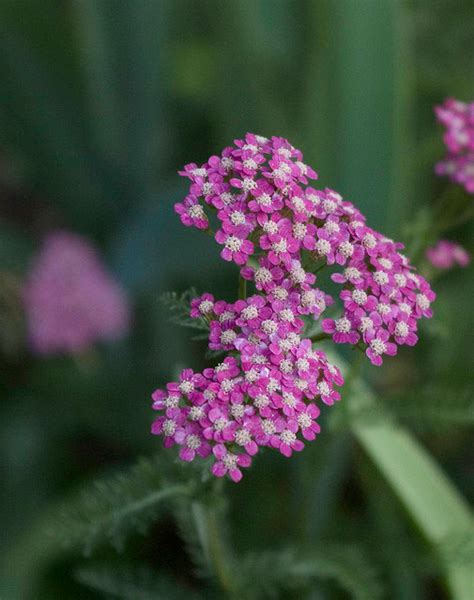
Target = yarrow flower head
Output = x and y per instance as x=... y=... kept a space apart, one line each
x=446 y=255
x=458 y=120
x=70 y=300
x=280 y=231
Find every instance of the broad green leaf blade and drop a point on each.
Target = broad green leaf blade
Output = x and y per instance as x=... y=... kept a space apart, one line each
x=436 y=507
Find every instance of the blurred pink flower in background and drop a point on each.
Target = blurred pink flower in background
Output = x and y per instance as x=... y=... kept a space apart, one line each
x=71 y=301
x=446 y=255
x=458 y=119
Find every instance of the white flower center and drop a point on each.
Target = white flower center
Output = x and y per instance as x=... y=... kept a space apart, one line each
x=400 y=279
x=323 y=388
x=230 y=461
x=248 y=184
x=199 y=172
x=369 y=240
x=346 y=249
x=207 y=188
x=264 y=200
x=242 y=437
x=422 y=301
x=302 y=364
x=237 y=217
x=405 y=307
x=186 y=387
x=249 y=163
x=383 y=308
x=289 y=399
x=233 y=243
x=250 y=312
x=196 y=413
x=280 y=247
x=205 y=307
x=169 y=427
x=287 y=315
x=227 y=162
x=237 y=410
x=286 y=366
x=268 y=426
x=401 y=329
x=329 y=206
x=228 y=336
x=378 y=346
x=261 y=401
x=359 y=297
x=196 y=211
x=352 y=274
x=227 y=315
x=323 y=247
x=193 y=441
x=386 y=263
x=269 y=327
x=304 y=420
x=380 y=277
x=287 y=437
x=299 y=230
x=220 y=423
x=343 y=325
x=263 y=275
x=366 y=323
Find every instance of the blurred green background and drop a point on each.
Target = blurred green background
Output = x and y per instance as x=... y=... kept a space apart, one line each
x=101 y=102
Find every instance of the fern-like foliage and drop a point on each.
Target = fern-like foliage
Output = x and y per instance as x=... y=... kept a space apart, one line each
x=125 y=502
x=132 y=583
x=267 y=574
x=179 y=307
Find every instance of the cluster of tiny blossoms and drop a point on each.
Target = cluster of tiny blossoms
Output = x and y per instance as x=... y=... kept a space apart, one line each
x=458 y=119
x=280 y=231
x=446 y=255
x=70 y=299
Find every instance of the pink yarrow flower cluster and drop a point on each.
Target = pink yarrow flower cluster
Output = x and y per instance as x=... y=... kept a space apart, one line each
x=458 y=119
x=280 y=231
x=446 y=255
x=70 y=300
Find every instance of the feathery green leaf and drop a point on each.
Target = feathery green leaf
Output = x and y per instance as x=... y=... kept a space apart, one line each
x=179 y=306
x=111 y=508
x=268 y=573
x=132 y=583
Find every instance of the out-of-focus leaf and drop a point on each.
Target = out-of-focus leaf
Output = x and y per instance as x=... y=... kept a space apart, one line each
x=434 y=504
x=269 y=573
x=132 y=583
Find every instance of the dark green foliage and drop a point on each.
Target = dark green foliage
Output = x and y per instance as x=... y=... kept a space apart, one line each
x=179 y=306
x=268 y=573
x=100 y=104
x=132 y=583
x=123 y=503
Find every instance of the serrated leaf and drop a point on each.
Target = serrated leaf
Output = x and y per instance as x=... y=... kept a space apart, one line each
x=179 y=306
x=268 y=573
x=132 y=583
x=111 y=508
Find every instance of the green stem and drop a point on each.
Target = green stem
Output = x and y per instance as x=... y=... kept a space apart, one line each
x=242 y=288
x=210 y=528
x=319 y=337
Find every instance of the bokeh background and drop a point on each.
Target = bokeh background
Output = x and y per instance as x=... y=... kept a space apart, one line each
x=101 y=102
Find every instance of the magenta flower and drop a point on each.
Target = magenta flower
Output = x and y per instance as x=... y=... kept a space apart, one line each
x=228 y=462
x=71 y=301
x=458 y=119
x=445 y=255
x=280 y=231
x=235 y=247
x=379 y=345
